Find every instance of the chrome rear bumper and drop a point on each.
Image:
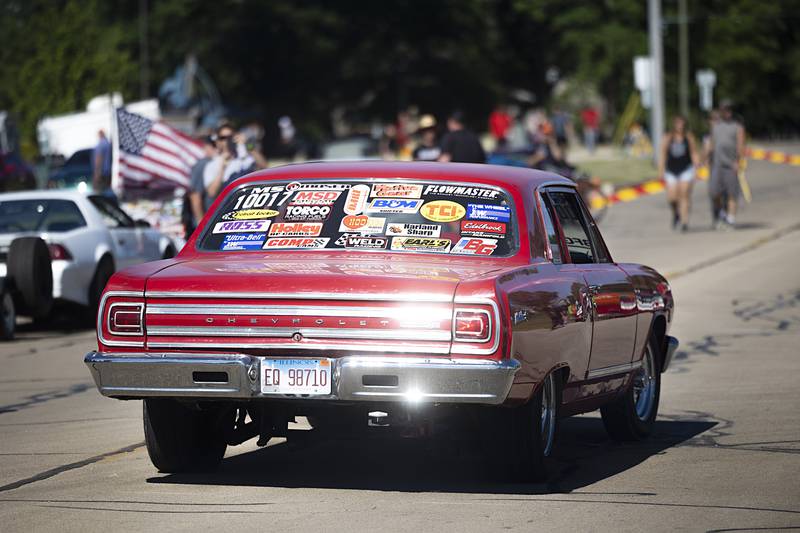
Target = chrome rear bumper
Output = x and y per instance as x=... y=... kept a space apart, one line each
x=355 y=378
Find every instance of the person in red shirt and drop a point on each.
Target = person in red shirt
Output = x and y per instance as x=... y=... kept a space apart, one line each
x=591 y=122
x=499 y=123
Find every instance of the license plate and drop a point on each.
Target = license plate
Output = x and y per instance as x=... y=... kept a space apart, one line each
x=296 y=376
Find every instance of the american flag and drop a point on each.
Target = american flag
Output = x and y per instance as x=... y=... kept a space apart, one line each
x=152 y=153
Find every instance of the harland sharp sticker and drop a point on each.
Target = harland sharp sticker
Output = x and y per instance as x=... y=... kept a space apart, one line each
x=249 y=214
x=481 y=228
x=495 y=213
x=413 y=230
x=392 y=205
x=239 y=226
x=356 y=200
x=362 y=224
x=315 y=197
x=419 y=244
x=396 y=190
x=474 y=246
x=442 y=211
x=362 y=242
x=247 y=241
x=295 y=229
x=454 y=190
x=297 y=186
x=307 y=212
x=295 y=242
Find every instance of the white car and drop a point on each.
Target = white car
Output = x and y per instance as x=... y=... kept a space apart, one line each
x=88 y=237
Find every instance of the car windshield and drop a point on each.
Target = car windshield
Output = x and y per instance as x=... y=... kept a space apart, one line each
x=367 y=214
x=39 y=215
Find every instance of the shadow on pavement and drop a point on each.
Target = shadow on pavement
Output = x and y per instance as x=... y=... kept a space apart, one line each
x=585 y=456
x=64 y=318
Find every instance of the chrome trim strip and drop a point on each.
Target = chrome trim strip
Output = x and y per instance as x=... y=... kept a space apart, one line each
x=294 y=310
x=101 y=313
x=287 y=346
x=467 y=349
x=611 y=370
x=384 y=297
x=310 y=333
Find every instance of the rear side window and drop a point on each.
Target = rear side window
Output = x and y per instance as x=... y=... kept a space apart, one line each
x=40 y=215
x=552 y=233
x=576 y=236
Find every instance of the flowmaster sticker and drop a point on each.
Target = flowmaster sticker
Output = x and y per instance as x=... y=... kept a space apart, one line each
x=396 y=190
x=362 y=224
x=442 y=211
x=243 y=241
x=457 y=190
x=474 y=246
x=395 y=229
x=496 y=213
x=392 y=205
x=296 y=242
x=420 y=244
x=239 y=226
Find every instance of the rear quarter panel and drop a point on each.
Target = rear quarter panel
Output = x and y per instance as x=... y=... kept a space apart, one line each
x=654 y=302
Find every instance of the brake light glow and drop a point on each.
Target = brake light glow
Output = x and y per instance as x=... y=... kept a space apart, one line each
x=125 y=319
x=472 y=325
x=58 y=251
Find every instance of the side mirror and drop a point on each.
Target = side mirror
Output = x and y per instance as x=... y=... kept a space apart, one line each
x=142 y=224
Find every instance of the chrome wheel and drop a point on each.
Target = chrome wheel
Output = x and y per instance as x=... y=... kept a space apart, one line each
x=548 y=414
x=644 y=386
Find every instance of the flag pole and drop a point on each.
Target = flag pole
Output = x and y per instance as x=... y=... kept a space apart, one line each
x=116 y=185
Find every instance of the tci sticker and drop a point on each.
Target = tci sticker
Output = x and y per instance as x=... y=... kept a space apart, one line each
x=356 y=200
x=442 y=211
x=362 y=224
x=456 y=190
x=480 y=228
x=392 y=205
x=315 y=197
x=295 y=229
x=396 y=190
x=239 y=226
x=419 y=244
x=296 y=242
x=474 y=246
x=394 y=229
x=249 y=214
x=307 y=212
x=496 y=213
x=246 y=241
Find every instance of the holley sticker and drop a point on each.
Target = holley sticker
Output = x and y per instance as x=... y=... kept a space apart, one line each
x=295 y=229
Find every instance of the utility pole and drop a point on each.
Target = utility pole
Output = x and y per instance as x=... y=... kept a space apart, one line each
x=144 y=53
x=683 y=59
x=657 y=73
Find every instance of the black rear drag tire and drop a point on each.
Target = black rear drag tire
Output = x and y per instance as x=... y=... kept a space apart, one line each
x=8 y=317
x=31 y=271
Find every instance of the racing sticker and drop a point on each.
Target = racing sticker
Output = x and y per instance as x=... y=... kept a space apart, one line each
x=258 y=197
x=495 y=213
x=295 y=229
x=278 y=243
x=393 y=205
x=239 y=226
x=395 y=229
x=442 y=211
x=420 y=244
x=483 y=228
x=474 y=246
x=315 y=197
x=457 y=190
x=396 y=190
x=362 y=242
x=297 y=186
x=356 y=200
x=307 y=212
x=245 y=241
x=362 y=224
x=249 y=214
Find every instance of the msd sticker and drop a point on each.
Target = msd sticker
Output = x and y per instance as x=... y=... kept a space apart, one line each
x=417 y=244
x=391 y=205
x=362 y=224
x=480 y=228
x=295 y=229
x=239 y=226
x=248 y=241
x=396 y=190
x=250 y=214
x=474 y=246
x=307 y=212
x=315 y=197
x=356 y=200
x=495 y=213
x=413 y=230
x=295 y=242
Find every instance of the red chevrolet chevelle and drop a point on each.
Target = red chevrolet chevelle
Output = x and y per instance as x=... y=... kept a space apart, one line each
x=388 y=293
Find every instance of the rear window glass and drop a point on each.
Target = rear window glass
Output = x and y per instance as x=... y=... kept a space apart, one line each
x=365 y=215
x=39 y=215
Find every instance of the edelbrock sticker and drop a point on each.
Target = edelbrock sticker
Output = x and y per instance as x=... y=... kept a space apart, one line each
x=246 y=241
x=396 y=190
x=295 y=229
x=420 y=244
x=457 y=190
x=356 y=200
x=394 y=229
x=392 y=205
x=495 y=213
x=239 y=226
x=258 y=197
x=483 y=228
x=443 y=211
x=362 y=224
x=249 y=214
x=277 y=243
x=474 y=246
x=307 y=212
x=297 y=186
x=315 y=197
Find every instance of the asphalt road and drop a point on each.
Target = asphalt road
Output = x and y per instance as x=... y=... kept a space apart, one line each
x=725 y=454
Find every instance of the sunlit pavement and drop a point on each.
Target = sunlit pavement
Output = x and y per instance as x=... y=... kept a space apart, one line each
x=725 y=455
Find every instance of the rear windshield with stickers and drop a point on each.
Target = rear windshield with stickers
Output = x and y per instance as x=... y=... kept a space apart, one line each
x=365 y=215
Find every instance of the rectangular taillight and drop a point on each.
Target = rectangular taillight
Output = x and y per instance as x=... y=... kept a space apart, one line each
x=126 y=319
x=472 y=325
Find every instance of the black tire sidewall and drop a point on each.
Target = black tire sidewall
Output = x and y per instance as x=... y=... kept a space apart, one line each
x=31 y=271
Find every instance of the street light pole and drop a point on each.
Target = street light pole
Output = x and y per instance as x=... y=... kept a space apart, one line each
x=683 y=59
x=144 y=52
x=657 y=73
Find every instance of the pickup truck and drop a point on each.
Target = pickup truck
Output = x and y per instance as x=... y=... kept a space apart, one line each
x=375 y=293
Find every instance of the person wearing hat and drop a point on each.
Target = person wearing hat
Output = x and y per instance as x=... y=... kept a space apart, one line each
x=727 y=145
x=428 y=149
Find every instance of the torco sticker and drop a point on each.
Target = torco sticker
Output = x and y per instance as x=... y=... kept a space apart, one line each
x=248 y=241
x=296 y=242
x=315 y=197
x=418 y=244
x=390 y=205
x=443 y=211
x=453 y=190
x=249 y=214
x=307 y=212
x=362 y=224
x=396 y=190
x=479 y=228
x=297 y=186
x=356 y=200
x=413 y=230
x=360 y=241
x=295 y=229
x=474 y=246
x=496 y=213
x=239 y=226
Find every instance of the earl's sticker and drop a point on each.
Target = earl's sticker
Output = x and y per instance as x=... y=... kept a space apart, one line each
x=443 y=211
x=419 y=244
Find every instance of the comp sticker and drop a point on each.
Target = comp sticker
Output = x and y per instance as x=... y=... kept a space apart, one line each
x=278 y=243
x=474 y=246
x=396 y=190
x=239 y=226
x=496 y=213
x=395 y=229
x=362 y=224
x=443 y=211
x=250 y=214
x=246 y=241
x=393 y=205
x=418 y=244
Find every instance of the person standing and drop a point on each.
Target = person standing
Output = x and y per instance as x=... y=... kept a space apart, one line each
x=428 y=149
x=499 y=123
x=727 y=146
x=676 y=166
x=561 y=126
x=196 y=197
x=461 y=145
x=101 y=166
x=590 y=119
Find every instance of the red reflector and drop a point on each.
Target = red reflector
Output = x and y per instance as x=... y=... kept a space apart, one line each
x=125 y=319
x=57 y=251
x=472 y=325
